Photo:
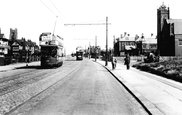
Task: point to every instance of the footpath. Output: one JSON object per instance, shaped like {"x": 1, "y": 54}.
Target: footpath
{"x": 17, "y": 65}
{"x": 158, "y": 96}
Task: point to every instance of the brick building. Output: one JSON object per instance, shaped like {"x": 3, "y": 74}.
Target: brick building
{"x": 169, "y": 33}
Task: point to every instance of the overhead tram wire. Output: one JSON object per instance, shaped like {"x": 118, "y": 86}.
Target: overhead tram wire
{"x": 48, "y": 7}
{"x": 87, "y": 24}
{"x": 56, "y": 7}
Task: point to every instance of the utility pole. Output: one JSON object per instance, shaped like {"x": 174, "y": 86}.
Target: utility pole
{"x": 106, "y": 34}
{"x": 89, "y": 50}
{"x": 95, "y": 48}
{"x": 113, "y": 45}
{"x": 106, "y": 41}
{"x": 55, "y": 25}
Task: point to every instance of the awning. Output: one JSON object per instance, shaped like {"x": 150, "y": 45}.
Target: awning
{"x": 129, "y": 47}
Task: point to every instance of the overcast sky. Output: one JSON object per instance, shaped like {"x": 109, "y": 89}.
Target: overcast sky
{"x": 32, "y": 17}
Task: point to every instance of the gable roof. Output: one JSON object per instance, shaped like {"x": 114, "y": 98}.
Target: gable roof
{"x": 20, "y": 42}
{"x": 177, "y": 25}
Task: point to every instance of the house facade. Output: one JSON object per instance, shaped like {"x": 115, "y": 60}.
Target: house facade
{"x": 134, "y": 45}
{"x": 17, "y": 50}
{"x": 4, "y": 48}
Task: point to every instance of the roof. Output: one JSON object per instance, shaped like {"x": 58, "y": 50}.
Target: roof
{"x": 4, "y": 39}
{"x": 20, "y": 42}
{"x": 127, "y": 38}
{"x": 150, "y": 40}
{"x": 177, "y": 25}
{"x": 130, "y": 47}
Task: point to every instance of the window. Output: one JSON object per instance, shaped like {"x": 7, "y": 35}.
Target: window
{"x": 180, "y": 42}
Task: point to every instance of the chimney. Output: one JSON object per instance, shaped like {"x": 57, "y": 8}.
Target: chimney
{"x": 152, "y": 34}
{"x": 125, "y": 34}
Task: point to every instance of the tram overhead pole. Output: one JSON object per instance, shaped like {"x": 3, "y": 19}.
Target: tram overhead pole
{"x": 88, "y": 24}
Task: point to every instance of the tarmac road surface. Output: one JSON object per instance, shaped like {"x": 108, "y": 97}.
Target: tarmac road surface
{"x": 91, "y": 90}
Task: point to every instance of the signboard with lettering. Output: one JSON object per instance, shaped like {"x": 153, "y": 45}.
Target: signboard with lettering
{"x": 46, "y": 38}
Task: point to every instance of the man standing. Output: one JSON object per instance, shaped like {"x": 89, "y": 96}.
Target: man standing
{"x": 113, "y": 61}
{"x": 127, "y": 61}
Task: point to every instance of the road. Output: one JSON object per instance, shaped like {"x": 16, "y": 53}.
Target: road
{"x": 88, "y": 88}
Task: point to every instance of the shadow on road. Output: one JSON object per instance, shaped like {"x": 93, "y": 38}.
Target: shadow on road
{"x": 36, "y": 67}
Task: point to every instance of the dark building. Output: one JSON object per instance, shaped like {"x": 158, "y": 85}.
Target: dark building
{"x": 169, "y": 33}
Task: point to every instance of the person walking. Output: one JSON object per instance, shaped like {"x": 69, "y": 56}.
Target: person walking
{"x": 127, "y": 61}
{"x": 113, "y": 62}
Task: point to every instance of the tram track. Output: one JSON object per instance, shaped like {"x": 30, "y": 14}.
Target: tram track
{"x": 17, "y": 81}
{"x": 14, "y": 93}
{"x": 24, "y": 107}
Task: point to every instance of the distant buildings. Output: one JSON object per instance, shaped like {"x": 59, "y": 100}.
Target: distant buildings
{"x": 17, "y": 50}
{"x": 167, "y": 43}
{"x": 169, "y": 33}
{"x": 134, "y": 45}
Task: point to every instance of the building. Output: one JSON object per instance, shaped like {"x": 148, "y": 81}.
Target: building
{"x": 148, "y": 44}
{"x": 124, "y": 44}
{"x": 138, "y": 45}
{"x": 4, "y": 49}
{"x": 23, "y": 50}
{"x": 169, "y": 33}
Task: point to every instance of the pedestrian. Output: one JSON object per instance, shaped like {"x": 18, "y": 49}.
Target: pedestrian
{"x": 113, "y": 62}
{"x": 127, "y": 61}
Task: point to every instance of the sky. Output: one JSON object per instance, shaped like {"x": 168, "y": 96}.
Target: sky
{"x": 33, "y": 17}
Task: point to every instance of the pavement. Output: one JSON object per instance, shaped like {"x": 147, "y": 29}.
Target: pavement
{"x": 17, "y": 65}
{"x": 158, "y": 95}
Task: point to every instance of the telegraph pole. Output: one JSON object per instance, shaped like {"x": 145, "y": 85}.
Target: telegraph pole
{"x": 89, "y": 50}
{"x": 106, "y": 41}
{"x": 106, "y": 34}
{"x": 55, "y": 25}
{"x": 95, "y": 48}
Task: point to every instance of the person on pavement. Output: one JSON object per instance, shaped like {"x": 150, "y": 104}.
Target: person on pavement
{"x": 113, "y": 62}
{"x": 127, "y": 61}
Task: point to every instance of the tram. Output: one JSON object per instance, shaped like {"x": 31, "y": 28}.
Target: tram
{"x": 79, "y": 53}
{"x": 52, "y": 50}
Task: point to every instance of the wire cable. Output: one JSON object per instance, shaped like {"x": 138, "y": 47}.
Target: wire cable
{"x": 47, "y": 7}
{"x": 56, "y": 7}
